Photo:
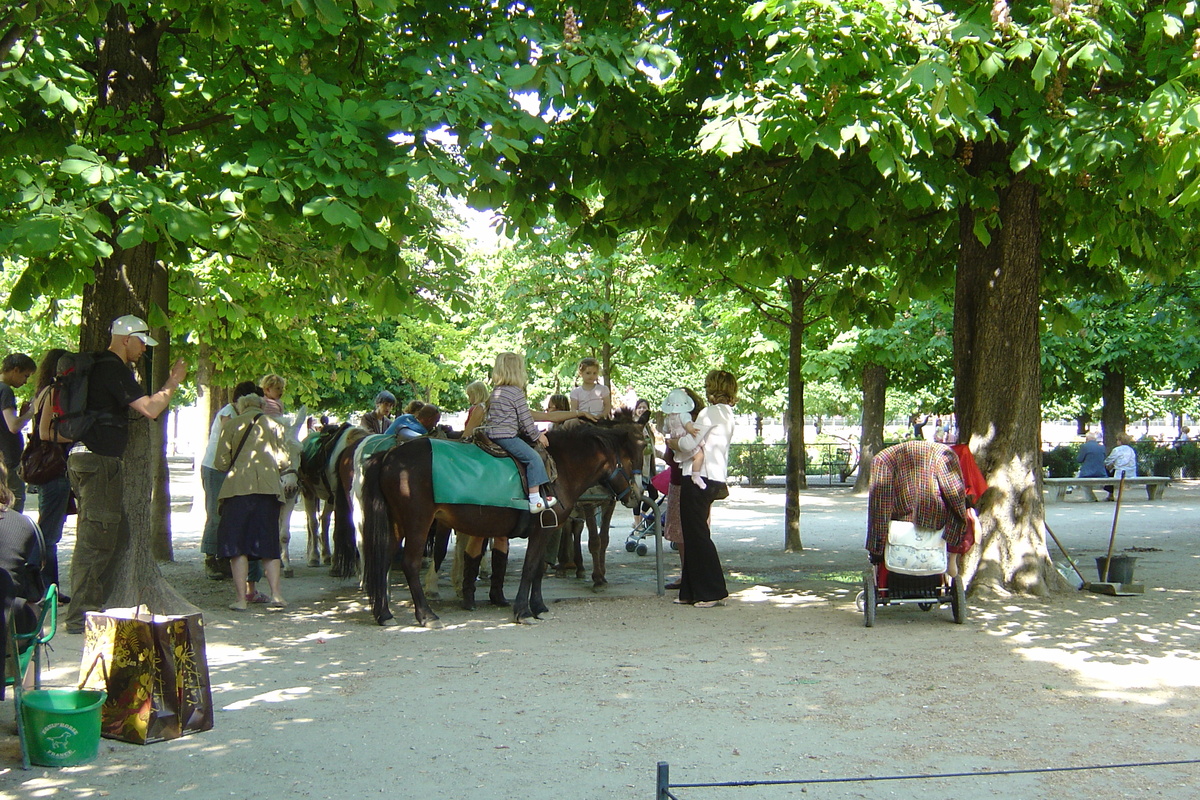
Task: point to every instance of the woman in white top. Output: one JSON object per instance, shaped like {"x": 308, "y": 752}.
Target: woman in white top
{"x": 1122, "y": 460}
{"x": 702, "y": 583}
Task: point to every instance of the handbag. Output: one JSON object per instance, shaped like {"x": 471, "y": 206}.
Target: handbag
{"x": 914, "y": 551}
{"x": 155, "y": 671}
{"x": 42, "y": 461}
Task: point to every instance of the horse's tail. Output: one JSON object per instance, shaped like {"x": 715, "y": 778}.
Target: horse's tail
{"x": 376, "y": 526}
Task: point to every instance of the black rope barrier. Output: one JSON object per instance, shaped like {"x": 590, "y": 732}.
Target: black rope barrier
{"x": 665, "y": 785}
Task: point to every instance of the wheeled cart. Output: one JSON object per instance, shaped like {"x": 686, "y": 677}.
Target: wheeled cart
{"x": 884, "y": 588}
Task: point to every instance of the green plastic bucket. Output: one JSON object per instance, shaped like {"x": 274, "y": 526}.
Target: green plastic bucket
{"x": 62, "y": 726}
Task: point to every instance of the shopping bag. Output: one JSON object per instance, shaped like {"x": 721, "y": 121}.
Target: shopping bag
{"x": 914, "y": 551}
{"x": 155, "y": 671}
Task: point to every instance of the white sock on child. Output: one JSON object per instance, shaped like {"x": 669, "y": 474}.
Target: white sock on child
{"x": 535, "y": 496}
{"x": 698, "y": 479}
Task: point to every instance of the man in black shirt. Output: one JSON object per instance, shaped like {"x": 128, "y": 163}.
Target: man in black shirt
{"x": 14, "y": 373}
{"x": 96, "y": 468}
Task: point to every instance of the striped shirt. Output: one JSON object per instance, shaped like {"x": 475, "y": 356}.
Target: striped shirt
{"x": 918, "y": 482}
{"x": 508, "y": 415}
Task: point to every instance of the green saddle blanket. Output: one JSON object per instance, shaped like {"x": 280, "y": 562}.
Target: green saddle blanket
{"x": 374, "y": 443}
{"x": 462, "y": 473}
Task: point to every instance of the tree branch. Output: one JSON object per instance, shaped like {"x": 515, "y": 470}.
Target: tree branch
{"x": 198, "y": 124}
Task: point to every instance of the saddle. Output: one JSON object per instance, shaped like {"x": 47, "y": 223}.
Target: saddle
{"x": 484, "y": 443}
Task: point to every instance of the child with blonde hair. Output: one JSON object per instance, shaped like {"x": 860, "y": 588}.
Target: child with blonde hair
{"x": 509, "y": 424}
{"x": 591, "y": 396}
{"x": 272, "y": 386}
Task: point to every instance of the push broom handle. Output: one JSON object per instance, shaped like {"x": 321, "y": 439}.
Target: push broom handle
{"x": 1112, "y": 537}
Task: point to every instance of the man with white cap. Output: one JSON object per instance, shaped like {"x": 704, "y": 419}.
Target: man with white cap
{"x": 95, "y": 468}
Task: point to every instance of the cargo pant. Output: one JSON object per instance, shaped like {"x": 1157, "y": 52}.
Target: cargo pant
{"x": 102, "y": 531}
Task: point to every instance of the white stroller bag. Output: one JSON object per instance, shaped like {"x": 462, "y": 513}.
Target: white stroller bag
{"x": 914, "y": 551}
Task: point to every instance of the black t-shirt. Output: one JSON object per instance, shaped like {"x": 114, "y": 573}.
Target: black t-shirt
{"x": 111, "y": 388}
{"x": 11, "y": 443}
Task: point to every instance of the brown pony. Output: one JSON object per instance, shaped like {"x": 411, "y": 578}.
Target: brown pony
{"x": 398, "y": 509}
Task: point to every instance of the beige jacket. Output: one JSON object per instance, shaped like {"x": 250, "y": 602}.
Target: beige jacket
{"x": 268, "y": 453}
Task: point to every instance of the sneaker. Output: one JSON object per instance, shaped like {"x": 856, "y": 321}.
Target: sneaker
{"x": 541, "y": 504}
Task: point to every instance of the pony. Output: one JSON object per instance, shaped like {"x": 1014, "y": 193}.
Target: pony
{"x": 399, "y": 507}
{"x": 325, "y": 479}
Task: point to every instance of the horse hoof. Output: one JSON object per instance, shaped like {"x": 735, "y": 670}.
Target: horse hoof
{"x": 289, "y": 573}
{"x": 434, "y": 624}
{"x": 312, "y": 562}
{"x": 600, "y": 587}
{"x": 390, "y": 622}
{"x": 581, "y": 574}
{"x": 525, "y": 620}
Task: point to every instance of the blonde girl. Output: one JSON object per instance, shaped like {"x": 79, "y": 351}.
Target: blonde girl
{"x": 509, "y": 424}
{"x": 272, "y": 386}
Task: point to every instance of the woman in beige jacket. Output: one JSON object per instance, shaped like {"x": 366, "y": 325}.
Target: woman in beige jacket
{"x": 260, "y": 459}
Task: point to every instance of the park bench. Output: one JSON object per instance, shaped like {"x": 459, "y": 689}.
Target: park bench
{"x": 1153, "y": 483}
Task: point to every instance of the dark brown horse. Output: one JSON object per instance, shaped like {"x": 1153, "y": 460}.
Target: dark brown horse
{"x": 323, "y": 482}
{"x": 398, "y": 508}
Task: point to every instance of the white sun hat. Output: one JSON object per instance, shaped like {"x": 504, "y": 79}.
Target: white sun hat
{"x": 677, "y": 402}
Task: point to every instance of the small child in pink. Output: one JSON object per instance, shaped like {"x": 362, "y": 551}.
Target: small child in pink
{"x": 678, "y": 407}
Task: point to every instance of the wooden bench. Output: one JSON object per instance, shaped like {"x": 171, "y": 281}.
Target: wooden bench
{"x": 1154, "y": 484}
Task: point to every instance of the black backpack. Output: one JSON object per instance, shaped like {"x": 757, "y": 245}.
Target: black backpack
{"x": 69, "y": 397}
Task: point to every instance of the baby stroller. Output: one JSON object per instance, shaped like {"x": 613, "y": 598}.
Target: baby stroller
{"x": 908, "y": 579}
{"x": 643, "y": 526}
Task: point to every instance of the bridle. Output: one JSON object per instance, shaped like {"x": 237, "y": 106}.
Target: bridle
{"x": 630, "y": 477}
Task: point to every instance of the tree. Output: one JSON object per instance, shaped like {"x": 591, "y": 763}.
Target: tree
{"x": 563, "y": 300}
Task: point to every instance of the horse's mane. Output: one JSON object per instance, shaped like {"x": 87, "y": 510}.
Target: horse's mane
{"x": 612, "y": 434}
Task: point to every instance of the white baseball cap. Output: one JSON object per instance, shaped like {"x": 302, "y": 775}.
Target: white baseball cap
{"x": 677, "y": 402}
{"x": 129, "y": 325}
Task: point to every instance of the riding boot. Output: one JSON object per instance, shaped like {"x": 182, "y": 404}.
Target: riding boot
{"x": 499, "y": 566}
{"x": 470, "y": 576}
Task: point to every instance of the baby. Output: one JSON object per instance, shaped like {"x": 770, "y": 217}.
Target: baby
{"x": 678, "y": 407}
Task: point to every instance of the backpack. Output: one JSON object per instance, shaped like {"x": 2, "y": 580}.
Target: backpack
{"x": 69, "y": 397}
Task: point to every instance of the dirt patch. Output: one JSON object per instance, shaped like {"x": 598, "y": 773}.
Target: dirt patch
{"x": 784, "y": 682}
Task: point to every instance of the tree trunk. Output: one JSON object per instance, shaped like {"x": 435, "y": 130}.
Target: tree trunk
{"x": 1113, "y": 419}
{"x": 874, "y": 389}
{"x": 127, "y": 81}
{"x": 997, "y": 381}
{"x": 794, "y": 420}
{"x": 160, "y": 520}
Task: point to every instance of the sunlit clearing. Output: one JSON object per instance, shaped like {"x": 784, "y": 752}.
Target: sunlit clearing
{"x": 220, "y": 655}
{"x": 768, "y": 594}
{"x": 277, "y": 696}
{"x": 1144, "y": 680}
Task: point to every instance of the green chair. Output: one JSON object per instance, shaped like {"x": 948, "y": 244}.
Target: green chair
{"x": 26, "y": 648}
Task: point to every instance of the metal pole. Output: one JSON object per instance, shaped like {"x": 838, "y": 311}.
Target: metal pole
{"x": 664, "y": 782}
{"x": 658, "y": 550}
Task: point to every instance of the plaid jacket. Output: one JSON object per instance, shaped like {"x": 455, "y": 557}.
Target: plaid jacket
{"x": 918, "y": 482}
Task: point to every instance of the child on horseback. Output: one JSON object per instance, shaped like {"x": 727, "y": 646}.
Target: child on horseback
{"x": 590, "y": 396}
{"x": 510, "y": 425}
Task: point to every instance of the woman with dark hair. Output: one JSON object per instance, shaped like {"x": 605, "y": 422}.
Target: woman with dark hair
{"x": 260, "y": 460}
{"x": 211, "y": 480}
{"x": 54, "y": 496}
{"x": 21, "y": 564}
{"x": 702, "y": 582}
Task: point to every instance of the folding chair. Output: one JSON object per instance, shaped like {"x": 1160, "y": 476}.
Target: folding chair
{"x": 26, "y": 648}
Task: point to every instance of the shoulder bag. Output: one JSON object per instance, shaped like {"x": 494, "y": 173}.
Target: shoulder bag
{"x": 41, "y": 461}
